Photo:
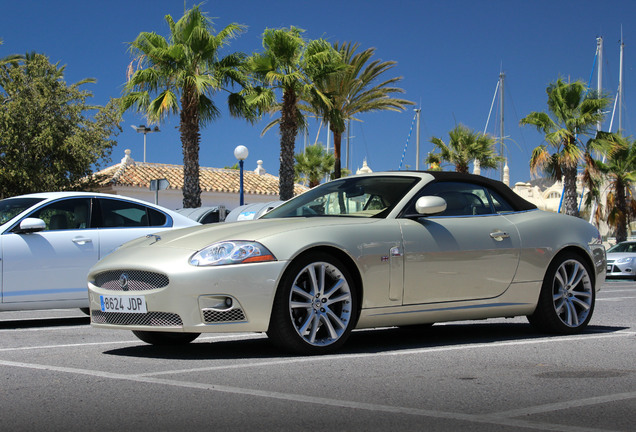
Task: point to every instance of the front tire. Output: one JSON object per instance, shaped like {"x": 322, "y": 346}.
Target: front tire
{"x": 316, "y": 306}
{"x": 567, "y": 298}
{"x": 165, "y": 338}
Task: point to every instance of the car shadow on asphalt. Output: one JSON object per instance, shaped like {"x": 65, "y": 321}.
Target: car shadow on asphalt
{"x": 44, "y": 322}
{"x": 360, "y": 342}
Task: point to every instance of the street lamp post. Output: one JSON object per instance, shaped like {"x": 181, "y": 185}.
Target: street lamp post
{"x": 145, "y": 130}
{"x": 240, "y": 152}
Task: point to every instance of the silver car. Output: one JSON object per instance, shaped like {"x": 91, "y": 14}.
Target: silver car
{"x": 49, "y": 241}
{"x": 621, "y": 261}
{"x": 384, "y": 249}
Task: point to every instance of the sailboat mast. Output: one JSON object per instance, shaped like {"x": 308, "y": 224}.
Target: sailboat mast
{"x": 620, "y": 89}
{"x": 417, "y": 139}
{"x": 501, "y": 123}
{"x": 599, "y": 77}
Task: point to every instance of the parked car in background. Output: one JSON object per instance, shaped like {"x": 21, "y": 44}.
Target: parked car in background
{"x": 49, "y": 241}
{"x": 383, "y": 249}
{"x": 621, "y": 261}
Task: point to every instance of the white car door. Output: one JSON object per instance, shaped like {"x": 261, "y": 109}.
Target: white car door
{"x": 120, "y": 221}
{"x": 50, "y": 264}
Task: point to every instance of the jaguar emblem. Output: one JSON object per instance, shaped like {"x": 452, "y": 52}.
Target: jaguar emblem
{"x": 123, "y": 281}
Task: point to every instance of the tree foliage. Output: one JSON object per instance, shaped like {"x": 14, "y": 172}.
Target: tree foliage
{"x": 619, "y": 170}
{"x": 50, "y": 138}
{"x": 180, "y": 75}
{"x": 464, "y": 145}
{"x": 572, "y": 112}
{"x": 359, "y": 88}
{"x": 291, "y": 65}
{"x": 313, "y": 164}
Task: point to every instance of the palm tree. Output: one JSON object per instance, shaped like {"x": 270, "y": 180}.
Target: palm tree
{"x": 465, "y": 145}
{"x": 571, "y": 112}
{"x": 291, "y": 65}
{"x": 313, "y": 164}
{"x": 620, "y": 171}
{"x": 181, "y": 75}
{"x": 355, "y": 91}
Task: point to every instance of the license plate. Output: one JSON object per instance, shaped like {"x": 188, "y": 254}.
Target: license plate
{"x": 123, "y": 304}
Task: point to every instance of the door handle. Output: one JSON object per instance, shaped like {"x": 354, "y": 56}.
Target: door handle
{"x": 82, "y": 240}
{"x": 499, "y": 235}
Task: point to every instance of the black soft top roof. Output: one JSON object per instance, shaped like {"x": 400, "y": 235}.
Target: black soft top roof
{"x": 518, "y": 203}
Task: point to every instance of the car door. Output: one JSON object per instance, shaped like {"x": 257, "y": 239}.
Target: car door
{"x": 120, "y": 221}
{"x": 51, "y": 264}
{"x": 468, "y": 252}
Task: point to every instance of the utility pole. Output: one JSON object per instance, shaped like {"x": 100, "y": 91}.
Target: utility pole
{"x": 348, "y": 138}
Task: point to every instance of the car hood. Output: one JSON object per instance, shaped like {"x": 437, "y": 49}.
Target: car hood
{"x": 199, "y": 237}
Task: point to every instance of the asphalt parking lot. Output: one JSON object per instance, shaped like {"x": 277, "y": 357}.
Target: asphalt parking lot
{"x": 58, "y": 373}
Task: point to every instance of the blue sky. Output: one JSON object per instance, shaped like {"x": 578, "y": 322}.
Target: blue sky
{"x": 449, "y": 53}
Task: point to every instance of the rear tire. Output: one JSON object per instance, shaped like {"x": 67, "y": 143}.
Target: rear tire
{"x": 165, "y": 338}
{"x": 566, "y": 302}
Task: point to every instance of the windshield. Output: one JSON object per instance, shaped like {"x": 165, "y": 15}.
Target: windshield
{"x": 11, "y": 207}
{"x": 623, "y": 247}
{"x": 353, "y": 196}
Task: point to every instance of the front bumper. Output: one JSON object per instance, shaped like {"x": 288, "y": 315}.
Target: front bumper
{"x": 232, "y": 298}
{"x": 620, "y": 270}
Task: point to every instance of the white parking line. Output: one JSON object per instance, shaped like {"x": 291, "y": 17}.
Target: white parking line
{"x": 501, "y": 419}
{"x": 504, "y": 418}
{"x": 613, "y": 299}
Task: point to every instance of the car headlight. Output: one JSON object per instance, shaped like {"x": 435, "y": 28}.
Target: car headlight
{"x": 231, "y": 252}
{"x": 623, "y": 260}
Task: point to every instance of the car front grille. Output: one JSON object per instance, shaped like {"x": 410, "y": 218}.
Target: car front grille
{"x": 220, "y": 316}
{"x": 130, "y": 280}
{"x": 155, "y": 319}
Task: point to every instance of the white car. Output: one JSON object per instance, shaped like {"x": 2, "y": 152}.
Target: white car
{"x": 49, "y": 241}
{"x": 621, "y": 261}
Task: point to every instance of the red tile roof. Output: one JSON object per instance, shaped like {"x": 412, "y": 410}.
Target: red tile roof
{"x": 139, "y": 174}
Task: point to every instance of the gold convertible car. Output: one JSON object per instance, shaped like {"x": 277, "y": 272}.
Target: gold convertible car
{"x": 383, "y": 249}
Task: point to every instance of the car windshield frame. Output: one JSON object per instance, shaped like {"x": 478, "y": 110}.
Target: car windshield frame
{"x": 12, "y": 207}
{"x": 356, "y": 196}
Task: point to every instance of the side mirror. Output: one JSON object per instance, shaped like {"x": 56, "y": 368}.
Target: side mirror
{"x": 430, "y": 205}
{"x": 31, "y": 225}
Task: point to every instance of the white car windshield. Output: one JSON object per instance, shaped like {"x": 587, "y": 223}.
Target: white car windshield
{"x": 623, "y": 247}
{"x": 350, "y": 197}
{"x": 11, "y": 207}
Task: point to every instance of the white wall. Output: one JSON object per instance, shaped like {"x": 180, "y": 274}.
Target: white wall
{"x": 173, "y": 198}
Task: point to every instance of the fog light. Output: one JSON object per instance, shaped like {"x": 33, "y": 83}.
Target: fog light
{"x": 228, "y": 302}
{"x": 628, "y": 270}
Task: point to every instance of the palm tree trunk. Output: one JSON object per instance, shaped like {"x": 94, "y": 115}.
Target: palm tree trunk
{"x": 288, "y": 131}
{"x": 337, "y": 140}
{"x": 569, "y": 191}
{"x": 621, "y": 203}
{"x": 190, "y": 137}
